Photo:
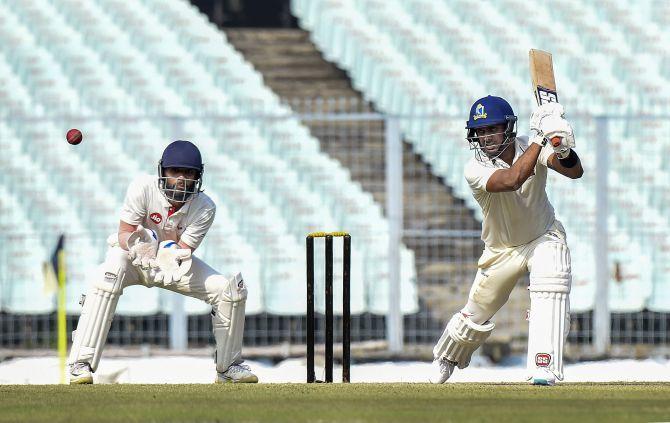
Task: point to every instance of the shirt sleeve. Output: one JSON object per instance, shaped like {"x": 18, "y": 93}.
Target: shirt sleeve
{"x": 545, "y": 153}
{"x": 478, "y": 175}
{"x": 196, "y": 231}
{"x": 134, "y": 207}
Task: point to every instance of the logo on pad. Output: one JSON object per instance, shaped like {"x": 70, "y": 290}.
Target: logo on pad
{"x": 156, "y": 218}
{"x": 542, "y": 359}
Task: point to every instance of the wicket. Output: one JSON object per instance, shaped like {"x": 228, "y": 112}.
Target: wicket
{"x": 346, "y": 314}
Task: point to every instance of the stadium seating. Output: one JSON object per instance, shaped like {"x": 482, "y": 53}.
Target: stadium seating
{"x": 417, "y": 56}
{"x": 115, "y": 69}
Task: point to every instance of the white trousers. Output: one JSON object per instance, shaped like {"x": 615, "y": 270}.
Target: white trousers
{"x": 226, "y": 296}
{"x": 545, "y": 258}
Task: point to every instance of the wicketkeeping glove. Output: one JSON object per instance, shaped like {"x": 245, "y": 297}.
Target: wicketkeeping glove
{"x": 142, "y": 247}
{"x": 171, "y": 263}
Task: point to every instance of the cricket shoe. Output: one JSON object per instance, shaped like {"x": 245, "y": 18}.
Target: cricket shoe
{"x": 80, "y": 374}
{"x": 543, "y": 377}
{"x": 236, "y": 373}
{"x": 444, "y": 369}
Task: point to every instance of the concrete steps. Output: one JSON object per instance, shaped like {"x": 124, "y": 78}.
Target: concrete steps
{"x": 293, "y": 67}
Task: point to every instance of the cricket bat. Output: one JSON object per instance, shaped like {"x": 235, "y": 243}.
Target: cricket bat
{"x": 544, "y": 83}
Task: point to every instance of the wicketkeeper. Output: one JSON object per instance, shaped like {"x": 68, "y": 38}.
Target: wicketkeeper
{"x": 163, "y": 220}
{"x": 508, "y": 176}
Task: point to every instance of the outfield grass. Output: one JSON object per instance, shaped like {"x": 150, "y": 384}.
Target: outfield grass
{"x": 343, "y": 403}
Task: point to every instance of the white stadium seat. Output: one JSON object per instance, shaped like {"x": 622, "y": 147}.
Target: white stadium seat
{"x": 112, "y": 57}
{"x": 422, "y": 55}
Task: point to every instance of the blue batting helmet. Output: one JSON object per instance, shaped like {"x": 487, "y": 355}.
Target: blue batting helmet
{"x": 488, "y": 111}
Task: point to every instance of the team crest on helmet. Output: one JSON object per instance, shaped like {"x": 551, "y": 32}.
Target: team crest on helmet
{"x": 542, "y": 359}
{"x": 156, "y": 218}
{"x": 480, "y": 113}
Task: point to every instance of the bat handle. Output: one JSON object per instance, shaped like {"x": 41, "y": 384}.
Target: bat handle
{"x": 556, "y": 141}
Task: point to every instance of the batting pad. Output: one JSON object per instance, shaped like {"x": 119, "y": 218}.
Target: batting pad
{"x": 460, "y": 339}
{"x": 549, "y": 324}
{"x": 98, "y": 311}
{"x": 228, "y": 323}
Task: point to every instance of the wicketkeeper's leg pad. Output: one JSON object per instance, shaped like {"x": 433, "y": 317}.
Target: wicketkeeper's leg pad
{"x": 460, "y": 339}
{"x": 98, "y": 309}
{"x": 228, "y": 321}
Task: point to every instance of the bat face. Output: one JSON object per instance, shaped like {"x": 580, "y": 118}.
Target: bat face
{"x": 542, "y": 75}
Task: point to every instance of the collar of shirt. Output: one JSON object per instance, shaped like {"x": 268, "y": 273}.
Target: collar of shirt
{"x": 168, "y": 206}
{"x": 183, "y": 210}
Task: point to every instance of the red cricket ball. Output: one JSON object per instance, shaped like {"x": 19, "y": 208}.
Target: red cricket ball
{"x": 74, "y": 136}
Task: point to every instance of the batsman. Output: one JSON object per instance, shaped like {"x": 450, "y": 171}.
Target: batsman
{"x": 521, "y": 236}
{"x": 164, "y": 218}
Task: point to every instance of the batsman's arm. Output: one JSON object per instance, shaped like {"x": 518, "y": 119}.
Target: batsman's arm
{"x": 511, "y": 179}
{"x": 571, "y": 166}
{"x": 125, "y": 229}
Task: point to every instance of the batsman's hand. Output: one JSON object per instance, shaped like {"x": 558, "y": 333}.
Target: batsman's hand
{"x": 545, "y": 110}
{"x": 548, "y": 122}
{"x": 171, "y": 263}
{"x": 142, "y": 247}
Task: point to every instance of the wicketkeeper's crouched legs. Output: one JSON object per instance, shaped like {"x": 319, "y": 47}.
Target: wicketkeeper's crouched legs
{"x": 99, "y": 305}
{"x": 228, "y": 297}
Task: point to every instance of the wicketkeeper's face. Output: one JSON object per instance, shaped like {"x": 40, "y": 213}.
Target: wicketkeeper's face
{"x": 490, "y": 138}
{"x": 181, "y": 178}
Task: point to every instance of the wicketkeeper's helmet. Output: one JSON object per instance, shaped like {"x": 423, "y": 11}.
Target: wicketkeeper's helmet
{"x": 180, "y": 154}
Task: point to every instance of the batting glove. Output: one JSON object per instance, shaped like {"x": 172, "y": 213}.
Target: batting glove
{"x": 543, "y": 111}
{"x": 548, "y": 122}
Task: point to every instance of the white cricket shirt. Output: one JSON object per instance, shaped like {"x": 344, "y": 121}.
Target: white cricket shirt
{"x": 516, "y": 217}
{"x": 146, "y": 205}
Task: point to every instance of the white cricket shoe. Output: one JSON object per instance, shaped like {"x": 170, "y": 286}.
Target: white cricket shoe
{"x": 236, "y": 373}
{"x": 80, "y": 374}
{"x": 443, "y": 368}
{"x": 543, "y": 377}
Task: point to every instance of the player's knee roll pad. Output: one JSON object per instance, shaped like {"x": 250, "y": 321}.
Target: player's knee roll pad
{"x": 228, "y": 322}
{"x": 233, "y": 289}
{"x": 460, "y": 339}
{"x": 551, "y": 268}
{"x": 98, "y": 309}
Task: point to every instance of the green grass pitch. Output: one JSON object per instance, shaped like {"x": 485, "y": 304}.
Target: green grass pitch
{"x": 336, "y": 403}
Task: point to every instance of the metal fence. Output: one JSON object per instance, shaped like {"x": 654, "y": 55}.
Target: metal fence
{"x": 409, "y": 178}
